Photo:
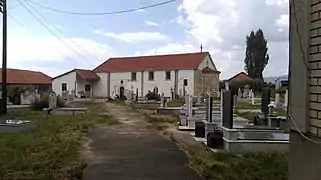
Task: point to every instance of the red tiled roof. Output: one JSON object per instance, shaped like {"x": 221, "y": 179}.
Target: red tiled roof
{"x": 240, "y": 76}
{"x": 83, "y": 73}
{"x": 18, "y": 76}
{"x": 87, "y": 74}
{"x": 141, "y": 63}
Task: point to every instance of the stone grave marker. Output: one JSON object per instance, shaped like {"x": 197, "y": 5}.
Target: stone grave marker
{"x": 162, "y": 100}
{"x": 265, "y": 101}
{"x": 246, "y": 91}
{"x": 136, "y": 97}
{"x": 239, "y": 93}
{"x": 252, "y": 97}
{"x": 228, "y": 109}
{"x": 52, "y": 101}
{"x": 190, "y": 105}
{"x": 286, "y": 96}
{"x": 209, "y": 109}
{"x": 199, "y": 100}
{"x": 227, "y": 86}
{"x": 277, "y": 100}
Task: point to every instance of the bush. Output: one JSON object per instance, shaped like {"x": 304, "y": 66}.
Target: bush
{"x": 152, "y": 96}
{"x": 43, "y": 102}
{"x": 14, "y": 92}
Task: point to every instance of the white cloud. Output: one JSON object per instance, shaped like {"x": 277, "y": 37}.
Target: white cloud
{"x": 222, "y": 25}
{"x": 133, "y": 37}
{"x": 47, "y": 53}
{"x": 151, "y": 23}
{"x": 170, "y": 48}
{"x": 283, "y": 21}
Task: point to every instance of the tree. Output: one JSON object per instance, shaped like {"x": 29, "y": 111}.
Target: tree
{"x": 256, "y": 54}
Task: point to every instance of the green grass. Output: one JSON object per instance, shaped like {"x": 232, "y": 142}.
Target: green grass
{"x": 249, "y": 166}
{"x": 247, "y": 115}
{"x": 246, "y": 105}
{"x": 51, "y": 151}
{"x": 175, "y": 103}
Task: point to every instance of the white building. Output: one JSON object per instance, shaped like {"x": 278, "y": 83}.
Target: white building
{"x": 194, "y": 72}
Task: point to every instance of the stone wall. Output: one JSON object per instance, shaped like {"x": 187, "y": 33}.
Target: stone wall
{"x": 315, "y": 67}
{"x": 206, "y": 80}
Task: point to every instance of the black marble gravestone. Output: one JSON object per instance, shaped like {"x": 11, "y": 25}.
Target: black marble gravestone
{"x": 265, "y": 101}
{"x": 228, "y": 109}
{"x": 210, "y": 113}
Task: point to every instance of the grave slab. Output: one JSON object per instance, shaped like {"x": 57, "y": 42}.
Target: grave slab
{"x": 17, "y": 126}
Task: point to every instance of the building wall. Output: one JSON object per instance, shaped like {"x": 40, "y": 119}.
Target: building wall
{"x": 70, "y": 79}
{"x": 206, "y": 82}
{"x": 207, "y": 62}
{"x": 142, "y": 80}
{"x": 305, "y": 101}
{"x": 100, "y": 88}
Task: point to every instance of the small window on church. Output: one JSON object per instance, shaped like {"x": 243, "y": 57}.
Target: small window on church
{"x": 151, "y": 76}
{"x": 134, "y": 76}
{"x": 167, "y": 75}
{"x": 185, "y": 82}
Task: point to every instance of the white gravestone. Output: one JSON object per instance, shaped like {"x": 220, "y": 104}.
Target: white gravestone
{"x": 162, "y": 100}
{"x": 52, "y": 101}
{"x": 190, "y": 105}
{"x": 252, "y": 97}
{"x": 227, "y": 86}
{"x": 277, "y": 100}
{"x": 286, "y": 98}
{"x": 239, "y": 93}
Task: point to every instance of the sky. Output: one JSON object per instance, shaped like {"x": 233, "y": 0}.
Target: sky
{"x": 77, "y": 41}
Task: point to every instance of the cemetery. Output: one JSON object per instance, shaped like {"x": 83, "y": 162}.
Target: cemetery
{"x": 45, "y": 147}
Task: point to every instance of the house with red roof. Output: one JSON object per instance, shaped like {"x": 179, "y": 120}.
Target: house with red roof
{"x": 79, "y": 80}
{"x": 192, "y": 73}
{"x": 241, "y": 76}
{"x": 39, "y": 80}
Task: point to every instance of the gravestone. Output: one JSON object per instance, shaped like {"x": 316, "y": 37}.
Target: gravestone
{"x": 162, "y": 100}
{"x": 210, "y": 109}
{"x": 52, "y": 101}
{"x": 266, "y": 93}
{"x": 222, "y": 91}
{"x": 136, "y": 97}
{"x": 228, "y": 109}
{"x": 207, "y": 106}
{"x": 199, "y": 100}
{"x": 64, "y": 95}
{"x": 277, "y": 100}
{"x": 172, "y": 93}
{"x": 239, "y": 93}
{"x": 246, "y": 92}
{"x": 227, "y": 86}
{"x": 286, "y": 96}
{"x": 166, "y": 101}
{"x": 252, "y": 97}
{"x": 155, "y": 90}
{"x": 190, "y": 106}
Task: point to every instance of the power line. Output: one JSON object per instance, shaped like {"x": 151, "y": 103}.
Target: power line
{"x": 44, "y": 25}
{"x": 22, "y": 25}
{"x": 17, "y": 5}
{"x": 61, "y": 32}
{"x": 101, "y": 13}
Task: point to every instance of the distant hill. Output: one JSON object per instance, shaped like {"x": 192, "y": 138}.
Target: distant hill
{"x": 272, "y": 79}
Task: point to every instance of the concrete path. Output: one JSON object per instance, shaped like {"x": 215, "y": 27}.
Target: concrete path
{"x": 132, "y": 151}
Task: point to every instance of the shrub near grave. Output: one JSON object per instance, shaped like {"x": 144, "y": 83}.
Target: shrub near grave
{"x": 43, "y": 102}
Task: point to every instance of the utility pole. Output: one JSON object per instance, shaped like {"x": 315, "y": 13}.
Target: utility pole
{"x": 4, "y": 56}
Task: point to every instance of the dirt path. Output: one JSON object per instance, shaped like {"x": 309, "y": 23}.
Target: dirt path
{"x": 133, "y": 151}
